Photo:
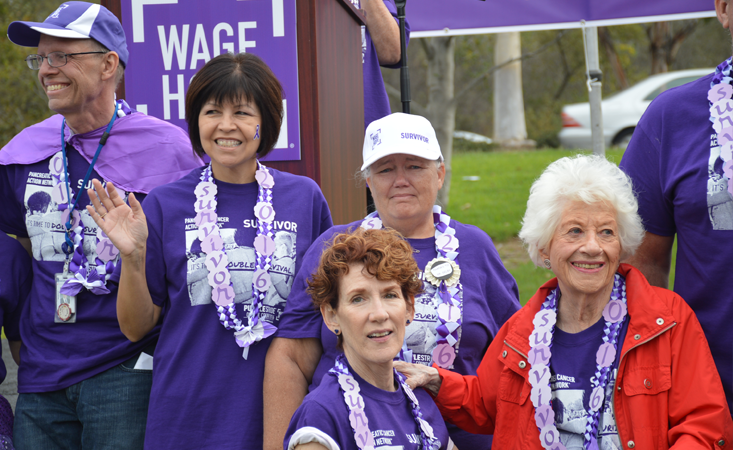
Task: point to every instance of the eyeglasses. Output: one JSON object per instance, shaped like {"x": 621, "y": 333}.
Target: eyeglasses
{"x": 55, "y": 59}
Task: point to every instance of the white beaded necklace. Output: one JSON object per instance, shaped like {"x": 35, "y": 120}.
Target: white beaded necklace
{"x": 217, "y": 260}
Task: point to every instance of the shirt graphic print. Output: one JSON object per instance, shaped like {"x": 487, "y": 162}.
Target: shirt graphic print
{"x": 43, "y": 220}
{"x": 421, "y": 335}
{"x": 571, "y": 413}
{"x": 241, "y": 266}
{"x": 720, "y": 204}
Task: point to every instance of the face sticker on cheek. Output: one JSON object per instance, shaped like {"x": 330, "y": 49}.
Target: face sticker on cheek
{"x": 257, "y": 132}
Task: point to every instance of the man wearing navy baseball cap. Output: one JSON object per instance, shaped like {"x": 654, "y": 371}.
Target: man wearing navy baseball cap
{"x": 82, "y": 384}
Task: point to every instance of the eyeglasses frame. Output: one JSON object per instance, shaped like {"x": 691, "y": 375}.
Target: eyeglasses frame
{"x": 36, "y": 57}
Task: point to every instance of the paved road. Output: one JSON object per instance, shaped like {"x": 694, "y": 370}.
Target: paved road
{"x": 9, "y": 388}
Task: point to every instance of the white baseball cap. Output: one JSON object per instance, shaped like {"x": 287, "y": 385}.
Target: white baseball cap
{"x": 400, "y": 133}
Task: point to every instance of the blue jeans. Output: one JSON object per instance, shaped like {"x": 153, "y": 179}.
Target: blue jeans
{"x": 106, "y": 411}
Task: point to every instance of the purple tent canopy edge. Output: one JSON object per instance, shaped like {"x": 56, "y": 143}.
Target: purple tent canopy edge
{"x": 460, "y": 17}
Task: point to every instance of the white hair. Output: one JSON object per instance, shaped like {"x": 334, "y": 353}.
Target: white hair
{"x": 586, "y": 178}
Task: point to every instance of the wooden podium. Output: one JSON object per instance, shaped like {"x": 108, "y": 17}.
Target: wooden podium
{"x": 331, "y": 102}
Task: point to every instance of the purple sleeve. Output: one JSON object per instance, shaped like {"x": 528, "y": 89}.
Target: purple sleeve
{"x": 155, "y": 269}
{"x": 12, "y": 220}
{"x": 642, "y": 163}
{"x": 300, "y": 318}
{"x": 15, "y": 284}
{"x": 312, "y": 414}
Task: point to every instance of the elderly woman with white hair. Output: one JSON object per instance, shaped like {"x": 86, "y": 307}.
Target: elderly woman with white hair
{"x": 598, "y": 358}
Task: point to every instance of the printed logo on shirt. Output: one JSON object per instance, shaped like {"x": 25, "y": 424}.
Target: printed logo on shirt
{"x": 720, "y": 203}
{"x": 241, "y": 266}
{"x": 383, "y": 439}
{"x": 568, "y": 402}
{"x": 421, "y": 335}
{"x": 44, "y": 223}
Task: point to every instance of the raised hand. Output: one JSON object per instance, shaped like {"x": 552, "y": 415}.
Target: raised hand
{"x": 124, "y": 225}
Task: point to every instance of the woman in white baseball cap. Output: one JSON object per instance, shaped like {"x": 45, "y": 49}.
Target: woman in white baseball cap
{"x": 467, "y": 293}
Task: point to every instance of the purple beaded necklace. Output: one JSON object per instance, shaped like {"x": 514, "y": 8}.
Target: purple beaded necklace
{"x": 217, "y": 260}
{"x": 721, "y": 116}
{"x": 540, "y": 343}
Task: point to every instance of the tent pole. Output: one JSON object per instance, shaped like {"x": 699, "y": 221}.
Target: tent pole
{"x": 404, "y": 70}
{"x": 595, "y": 77}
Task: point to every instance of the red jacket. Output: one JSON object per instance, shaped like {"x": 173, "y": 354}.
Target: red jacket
{"x": 668, "y": 393}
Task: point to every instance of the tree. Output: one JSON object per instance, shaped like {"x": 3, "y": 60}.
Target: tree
{"x": 23, "y": 101}
{"x": 510, "y": 128}
{"x": 441, "y": 108}
{"x": 442, "y": 100}
{"x": 665, "y": 40}
{"x": 606, "y": 41}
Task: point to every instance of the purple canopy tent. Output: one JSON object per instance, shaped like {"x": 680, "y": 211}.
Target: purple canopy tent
{"x": 430, "y": 18}
{"x": 434, "y": 18}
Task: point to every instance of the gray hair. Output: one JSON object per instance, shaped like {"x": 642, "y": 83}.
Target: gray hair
{"x": 99, "y": 47}
{"x": 362, "y": 175}
{"x": 586, "y": 178}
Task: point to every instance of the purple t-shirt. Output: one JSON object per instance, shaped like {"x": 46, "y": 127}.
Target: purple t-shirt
{"x": 15, "y": 284}
{"x": 205, "y": 395}
{"x": 376, "y": 101}
{"x": 389, "y": 415}
{"x": 674, "y": 162}
{"x": 489, "y": 299}
{"x": 58, "y": 355}
{"x": 573, "y": 364}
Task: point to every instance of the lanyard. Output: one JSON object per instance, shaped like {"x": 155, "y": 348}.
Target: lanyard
{"x": 102, "y": 141}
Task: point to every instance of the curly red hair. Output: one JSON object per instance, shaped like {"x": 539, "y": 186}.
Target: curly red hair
{"x": 385, "y": 255}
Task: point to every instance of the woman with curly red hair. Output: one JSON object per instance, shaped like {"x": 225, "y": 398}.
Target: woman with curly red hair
{"x": 365, "y": 288}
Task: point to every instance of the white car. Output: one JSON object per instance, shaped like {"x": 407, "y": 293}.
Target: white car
{"x": 621, "y": 111}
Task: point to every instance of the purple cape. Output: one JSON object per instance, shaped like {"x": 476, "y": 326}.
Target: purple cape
{"x": 142, "y": 152}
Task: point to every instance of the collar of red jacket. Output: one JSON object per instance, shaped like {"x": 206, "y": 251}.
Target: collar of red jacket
{"x": 648, "y": 314}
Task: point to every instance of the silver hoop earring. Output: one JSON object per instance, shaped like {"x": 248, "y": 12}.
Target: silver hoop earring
{"x": 547, "y": 263}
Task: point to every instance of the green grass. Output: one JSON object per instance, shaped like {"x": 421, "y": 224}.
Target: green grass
{"x": 496, "y": 202}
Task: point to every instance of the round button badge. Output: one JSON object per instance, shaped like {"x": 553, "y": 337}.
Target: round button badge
{"x": 64, "y": 312}
{"x": 441, "y": 270}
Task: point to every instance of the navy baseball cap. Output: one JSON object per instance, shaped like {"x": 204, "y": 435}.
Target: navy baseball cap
{"x": 74, "y": 20}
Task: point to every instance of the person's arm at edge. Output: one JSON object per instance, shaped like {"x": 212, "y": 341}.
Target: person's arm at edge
{"x": 289, "y": 368}
{"x": 654, "y": 259}
{"x": 470, "y": 401}
{"x": 136, "y": 312}
{"x": 462, "y": 399}
{"x": 384, "y": 31}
